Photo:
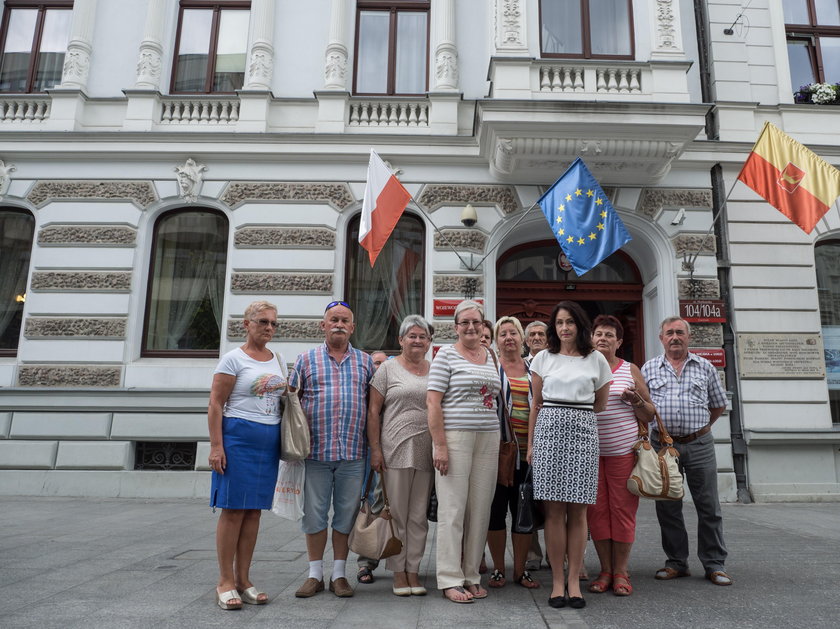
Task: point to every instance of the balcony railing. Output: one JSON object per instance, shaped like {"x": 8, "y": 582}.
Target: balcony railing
{"x": 601, "y": 80}
{"x": 24, "y": 109}
{"x": 199, "y": 111}
{"x": 388, "y": 114}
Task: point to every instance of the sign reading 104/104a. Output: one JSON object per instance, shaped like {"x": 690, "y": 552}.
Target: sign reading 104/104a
{"x": 703, "y": 310}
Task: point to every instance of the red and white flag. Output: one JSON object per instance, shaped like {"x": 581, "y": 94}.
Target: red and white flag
{"x": 385, "y": 200}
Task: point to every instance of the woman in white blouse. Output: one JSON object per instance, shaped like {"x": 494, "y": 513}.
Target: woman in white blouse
{"x": 570, "y": 383}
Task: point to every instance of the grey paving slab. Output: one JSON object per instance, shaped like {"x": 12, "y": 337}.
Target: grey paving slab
{"x": 97, "y": 564}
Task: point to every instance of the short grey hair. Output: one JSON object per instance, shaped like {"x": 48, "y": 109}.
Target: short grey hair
{"x": 469, "y": 304}
{"x": 670, "y": 320}
{"x": 414, "y": 320}
{"x": 258, "y": 306}
{"x": 535, "y": 324}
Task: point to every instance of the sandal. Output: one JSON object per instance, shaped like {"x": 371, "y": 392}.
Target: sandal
{"x": 527, "y": 582}
{"x": 253, "y": 596}
{"x": 602, "y": 583}
{"x": 497, "y": 580}
{"x": 458, "y": 590}
{"x": 223, "y": 599}
{"x": 365, "y": 576}
{"x": 477, "y": 591}
{"x": 622, "y": 589}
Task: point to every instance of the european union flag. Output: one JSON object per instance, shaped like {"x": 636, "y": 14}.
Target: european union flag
{"x": 582, "y": 219}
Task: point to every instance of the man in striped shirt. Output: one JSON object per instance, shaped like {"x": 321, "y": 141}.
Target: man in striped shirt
{"x": 333, "y": 383}
{"x": 686, "y": 390}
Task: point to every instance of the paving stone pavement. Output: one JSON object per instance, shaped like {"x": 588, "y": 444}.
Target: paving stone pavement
{"x": 103, "y": 563}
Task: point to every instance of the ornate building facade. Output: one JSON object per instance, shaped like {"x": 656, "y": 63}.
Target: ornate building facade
{"x": 163, "y": 163}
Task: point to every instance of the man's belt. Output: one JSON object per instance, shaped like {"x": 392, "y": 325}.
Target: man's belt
{"x": 693, "y": 436}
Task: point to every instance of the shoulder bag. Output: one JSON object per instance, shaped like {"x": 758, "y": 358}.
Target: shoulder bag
{"x": 372, "y": 534}
{"x": 508, "y": 447}
{"x": 294, "y": 429}
{"x": 656, "y": 475}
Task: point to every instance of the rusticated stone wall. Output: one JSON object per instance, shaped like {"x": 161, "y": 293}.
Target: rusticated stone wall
{"x": 692, "y": 243}
{"x": 653, "y": 200}
{"x": 698, "y": 289}
{"x": 140, "y": 192}
{"x": 435, "y": 195}
{"x": 281, "y": 283}
{"x": 75, "y": 327}
{"x": 72, "y": 281}
{"x": 289, "y": 330}
{"x": 68, "y": 376}
{"x": 87, "y": 235}
{"x": 448, "y": 284}
{"x": 284, "y": 238}
{"x": 461, "y": 239}
{"x": 337, "y": 194}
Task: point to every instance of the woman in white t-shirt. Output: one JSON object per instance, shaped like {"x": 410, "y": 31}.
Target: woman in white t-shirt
{"x": 244, "y": 422}
{"x": 570, "y": 383}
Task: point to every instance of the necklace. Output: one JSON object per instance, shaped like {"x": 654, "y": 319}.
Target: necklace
{"x": 473, "y": 355}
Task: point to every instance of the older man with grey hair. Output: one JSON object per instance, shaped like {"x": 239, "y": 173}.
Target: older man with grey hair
{"x": 536, "y": 338}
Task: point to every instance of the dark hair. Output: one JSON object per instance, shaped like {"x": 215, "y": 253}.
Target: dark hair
{"x": 486, "y": 324}
{"x": 584, "y": 328}
{"x": 608, "y": 321}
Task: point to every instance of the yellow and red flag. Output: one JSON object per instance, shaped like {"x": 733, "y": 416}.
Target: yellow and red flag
{"x": 792, "y": 178}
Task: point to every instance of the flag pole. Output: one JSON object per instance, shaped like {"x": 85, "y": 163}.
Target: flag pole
{"x": 715, "y": 218}
{"x": 452, "y": 247}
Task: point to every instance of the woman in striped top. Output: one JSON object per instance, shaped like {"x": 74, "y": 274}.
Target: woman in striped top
{"x": 612, "y": 519}
{"x": 461, "y": 401}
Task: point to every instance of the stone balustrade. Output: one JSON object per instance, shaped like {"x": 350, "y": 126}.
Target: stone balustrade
{"x": 388, "y": 114}
{"x": 203, "y": 111}
{"x": 26, "y": 108}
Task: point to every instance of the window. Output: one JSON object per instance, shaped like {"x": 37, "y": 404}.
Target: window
{"x": 186, "y": 284}
{"x": 382, "y": 296}
{"x": 34, "y": 40}
{"x": 827, "y": 262}
{"x": 589, "y": 29}
{"x": 212, "y": 47}
{"x": 392, "y": 47}
{"x": 813, "y": 41}
{"x": 16, "y": 230}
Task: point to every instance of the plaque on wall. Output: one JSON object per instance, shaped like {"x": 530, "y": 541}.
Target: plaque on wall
{"x": 781, "y": 356}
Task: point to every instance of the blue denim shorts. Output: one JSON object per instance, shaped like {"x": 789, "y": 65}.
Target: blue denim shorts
{"x": 336, "y": 483}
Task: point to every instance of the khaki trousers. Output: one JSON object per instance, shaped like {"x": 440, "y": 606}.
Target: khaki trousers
{"x": 408, "y": 493}
{"x": 464, "y": 498}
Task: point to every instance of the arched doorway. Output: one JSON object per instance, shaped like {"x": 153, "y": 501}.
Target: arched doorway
{"x": 530, "y": 282}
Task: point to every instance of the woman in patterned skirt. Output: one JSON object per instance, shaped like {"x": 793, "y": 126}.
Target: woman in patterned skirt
{"x": 570, "y": 383}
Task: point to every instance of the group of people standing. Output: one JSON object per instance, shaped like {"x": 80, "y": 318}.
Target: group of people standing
{"x": 572, "y": 408}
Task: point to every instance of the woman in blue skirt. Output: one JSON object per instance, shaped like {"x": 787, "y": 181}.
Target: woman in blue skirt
{"x": 244, "y": 421}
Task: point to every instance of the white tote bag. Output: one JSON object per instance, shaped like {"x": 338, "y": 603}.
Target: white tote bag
{"x": 288, "y": 493}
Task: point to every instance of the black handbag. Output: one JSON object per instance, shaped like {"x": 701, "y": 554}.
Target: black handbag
{"x": 529, "y": 516}
{"x": 431, "y": 510}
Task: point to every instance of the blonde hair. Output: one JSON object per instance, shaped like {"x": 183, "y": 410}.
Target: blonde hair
{"x": 516, "y": 323}
{"x": 468, "y": 304}
{"x": 258, "y": 306}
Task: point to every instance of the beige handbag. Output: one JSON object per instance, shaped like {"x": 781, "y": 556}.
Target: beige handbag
{"x": 656, "y": 475}
{"x": 373, "y": 535}
{"x": 294, "y": 429}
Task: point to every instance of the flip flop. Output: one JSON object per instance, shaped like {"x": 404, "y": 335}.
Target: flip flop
{"x": 497, "y": 579}
{"x": 458, "y": 589}
{"x": 525, "y": 580}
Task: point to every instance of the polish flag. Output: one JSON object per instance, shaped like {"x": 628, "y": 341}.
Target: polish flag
{"x": 385, "y": 200}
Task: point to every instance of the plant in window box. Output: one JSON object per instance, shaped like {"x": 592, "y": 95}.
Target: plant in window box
{"x": 819, "y": 94}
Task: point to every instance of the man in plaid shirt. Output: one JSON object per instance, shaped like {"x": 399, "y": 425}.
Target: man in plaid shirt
{"x": 687, "y": 392}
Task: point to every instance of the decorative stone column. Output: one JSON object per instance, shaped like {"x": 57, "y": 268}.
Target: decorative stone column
{"x": 261, "y": 56}
{"x": 77, "y": 58}
{"x": 667, "y": 31}
{"x": 332, "y": 100}
{"x": 150, "y": 59}
{"x": 335, "y": 58}
{"x": 445, "y": 60}
{"x": 511, "y": 66}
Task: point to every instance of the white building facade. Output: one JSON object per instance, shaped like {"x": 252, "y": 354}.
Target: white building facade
{"x": 164, "y": 163}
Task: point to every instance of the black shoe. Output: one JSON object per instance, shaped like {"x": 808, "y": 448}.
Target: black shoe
{"x": 577, "y": 602}
{"x": 557, "y": 601}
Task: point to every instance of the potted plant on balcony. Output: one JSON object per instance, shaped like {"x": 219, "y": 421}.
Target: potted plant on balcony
{"x": 819, "y": 94}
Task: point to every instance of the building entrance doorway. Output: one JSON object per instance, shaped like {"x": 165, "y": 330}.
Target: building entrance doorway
{"x": 530, "y": 282}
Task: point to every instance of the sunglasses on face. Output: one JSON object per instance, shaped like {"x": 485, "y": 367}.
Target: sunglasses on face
{"x": 266, "y": 322}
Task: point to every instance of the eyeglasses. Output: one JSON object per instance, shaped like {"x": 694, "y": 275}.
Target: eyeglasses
{"x": 266, "y": 322}
{"x": 467, "y": 324}
{"x": 333, "y": 304}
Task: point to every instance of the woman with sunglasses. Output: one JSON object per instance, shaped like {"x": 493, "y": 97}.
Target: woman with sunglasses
{"x": 463, "y": 386}
{"x": 244, "y": 421}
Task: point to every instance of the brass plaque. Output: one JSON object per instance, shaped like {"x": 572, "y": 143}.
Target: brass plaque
{"x": 781, "y": 356}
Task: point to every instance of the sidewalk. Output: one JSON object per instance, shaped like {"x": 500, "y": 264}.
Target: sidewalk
{"x": 94, "y": 563}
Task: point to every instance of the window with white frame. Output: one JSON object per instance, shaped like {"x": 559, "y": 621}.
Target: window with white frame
{"x": 34, "y": 41}
{"x": 17, "y": 228}
{"x": 211, "y": 47}
{"x": 588, "y": 29}
{"x": 827, "y": 263}
{"x": 186, "y": 284}
{"x": 391, "y": 47}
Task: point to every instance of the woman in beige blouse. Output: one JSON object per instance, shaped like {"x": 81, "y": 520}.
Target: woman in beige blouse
{"x": 401, "y": 446}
